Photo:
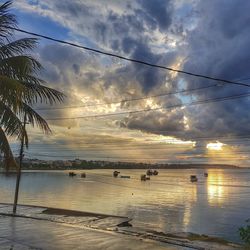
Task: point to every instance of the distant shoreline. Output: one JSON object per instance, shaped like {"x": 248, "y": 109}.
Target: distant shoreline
{"x": 137, "y": 166}
{"x": 88, "y": 165}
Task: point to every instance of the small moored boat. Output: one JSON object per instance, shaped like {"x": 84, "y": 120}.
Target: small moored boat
{"x": 83, "y": 175}
{"x": 71, "y": 174}
{"x": 155, "y": 172}
{"x": 143, "y": 177}
{"x": 116, "y": 173}
{"x": 149, "y": 172}
{"x": 125, "y": 176}
{"x": 193, "y": 178}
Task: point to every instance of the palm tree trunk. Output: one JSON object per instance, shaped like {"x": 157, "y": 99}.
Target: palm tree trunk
{"x": 19, "y": 169}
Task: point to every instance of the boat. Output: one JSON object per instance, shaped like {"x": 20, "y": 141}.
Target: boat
{"x": 71, "y": 174}
{"x": 83, "y": 175}
{"x": 145, "y": 177}
{"x": 152, "y": 172}
{"x": 205, "y": 174}
{"x": 155, "y": 172}
{"x": 149, "y": 172}
{"x": 116, "y": 173}
{"x": 193, "y": 178}
{"x": 125, "y": 176}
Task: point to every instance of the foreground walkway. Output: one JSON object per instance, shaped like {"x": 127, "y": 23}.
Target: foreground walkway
{"x": 24, "y": 233}
{"x": 49, "y": 228}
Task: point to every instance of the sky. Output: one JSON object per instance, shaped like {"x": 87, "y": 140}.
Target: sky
{"x": 203, "y": 37}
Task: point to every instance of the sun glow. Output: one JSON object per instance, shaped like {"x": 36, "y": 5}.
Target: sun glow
{"x": 215, "y": 145}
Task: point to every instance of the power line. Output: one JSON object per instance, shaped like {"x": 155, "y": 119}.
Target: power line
{"x": 158, "y": 145}
{"x": 211, "y": 100}
{"x": 129, "y": 59}
{"x": 183, "y": 152}
{"x": 169, "y": 150}
{"x": 131, "y": 157}
{"x": 239, "y": 153}
{"x": 235, "y": 139}
{"x": 167, "y": 145}
{"x": 138, "y": 98}
{"x": 178, "y": 149}
{"x": 118, "y": 148}
{"x": 129, "y": 100}
{"x": 170, "y": 140}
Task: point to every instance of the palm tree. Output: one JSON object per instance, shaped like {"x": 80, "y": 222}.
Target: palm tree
{"x": 20, "y": 88}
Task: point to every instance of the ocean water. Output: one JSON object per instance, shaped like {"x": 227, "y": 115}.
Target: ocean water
{"x": 217, "y": 205}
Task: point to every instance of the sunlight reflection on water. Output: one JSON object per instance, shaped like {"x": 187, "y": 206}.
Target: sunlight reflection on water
{"x": 216, "y": 192}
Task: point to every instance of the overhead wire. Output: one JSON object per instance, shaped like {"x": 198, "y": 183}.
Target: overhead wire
{"x": 135, "y": 99}
{"x": 240, "y": 140}
{"x": 199, "y": 102}
{"x": 116, "y": 157}
{"x": 151, "y": 65}
{"x": 240, "y": 154}
{"x": 127, "y": 100}
{"x": 127, "y": 58}
{"x": 104, "y": 146}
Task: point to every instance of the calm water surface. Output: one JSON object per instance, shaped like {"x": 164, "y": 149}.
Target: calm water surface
{"x": 217, "y": 205}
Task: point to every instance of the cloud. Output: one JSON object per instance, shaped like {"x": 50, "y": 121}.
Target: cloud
{"x": 204, "y": 37}
{"x": 157, "y": 13}
{"x": 167, "y": 123}
{"x": 218, "y": 47}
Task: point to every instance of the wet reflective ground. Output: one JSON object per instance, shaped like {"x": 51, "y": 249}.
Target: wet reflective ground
{"x": 29, "y": 234}
{"x": 217, "y": 205}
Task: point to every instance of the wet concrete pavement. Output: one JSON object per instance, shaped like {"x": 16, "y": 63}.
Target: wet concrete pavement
{"x": 35, "y": 230}
{"x": 50, "y": 228}
{"x": 25, "y": 233}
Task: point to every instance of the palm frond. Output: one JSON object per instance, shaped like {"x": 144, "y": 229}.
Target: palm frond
{"x": 36, "y": 92}
{"x": 18, "y": 66}
{"x": 6, "y": 150}
{"x": 30, "y": 91}
{"x": 7, "y": 20}
{"x": 35, "y": 119}
{"x": 11, "y": 90}
{"x": 10, "y": 122}
{"x": 17, "y": 47}
{"x": 13, "y": 126}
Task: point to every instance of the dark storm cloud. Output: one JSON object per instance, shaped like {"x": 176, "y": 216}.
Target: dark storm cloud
{"x": 157, "y": 13}
{"x": 63, "y": 66}
{"x": 127, "y": 32}
{"x": 133, "y": 41}
{"x": 157, "y": 122}
{"x": 211, "y": 49}
{"x": 206, "y": 37}
{"x": 70, "y": 69}
{"x": 218, "y": 46}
